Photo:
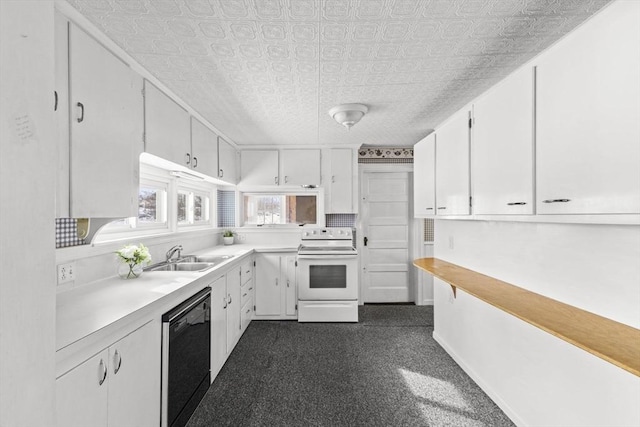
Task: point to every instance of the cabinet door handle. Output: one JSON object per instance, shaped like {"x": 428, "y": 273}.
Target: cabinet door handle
{"x": 195, "y": 162}
{"x": 103, "y": 374}
{"x": 516, "y": 203}
{"x": 224, "y": 300}
{"x": 250, "y": 289}
{"x": 81, "y": 106}
{"x": 276, "y": 282}
{"x": 286, "y": 179}
{"x": 275, "y": 180}
{"x": 244, "y": 295}
{"x": 55, "y": 104}
{"x": 118, "y": 358}
{"x": 333, "y": 179}
{"x": 429, "y": 209}
{"x": 229, "y": 298}
{"x": 556, "y": 201}
{"x": 187, "y": 158}
{"x": 221, "y": 174}
{"x": 441, "y": 207}
{"x": 287, "y": 283}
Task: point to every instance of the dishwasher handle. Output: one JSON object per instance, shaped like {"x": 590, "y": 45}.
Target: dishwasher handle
{"x": 186, "y": 306}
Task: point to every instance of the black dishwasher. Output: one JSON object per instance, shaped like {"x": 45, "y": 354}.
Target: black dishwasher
{"x": 186, "y": 358}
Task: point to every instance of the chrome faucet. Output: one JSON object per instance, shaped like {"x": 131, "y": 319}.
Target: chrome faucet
{"x": 172, "y": 251}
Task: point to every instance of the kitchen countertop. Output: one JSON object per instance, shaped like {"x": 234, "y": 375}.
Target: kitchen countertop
{"x": 107, "y": 303}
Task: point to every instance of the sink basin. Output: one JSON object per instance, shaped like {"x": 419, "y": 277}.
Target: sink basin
{"x": 214, "y": 259}
{"x": 181, "y": 266}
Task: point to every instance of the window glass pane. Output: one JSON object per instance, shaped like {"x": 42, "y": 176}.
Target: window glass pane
{"x": 182, "y": 207}
{"x": 301, "y": 209}
{"x": 148, "y": 205}
{"x": 279, "y": 209}
{"x": 200, "y": 208}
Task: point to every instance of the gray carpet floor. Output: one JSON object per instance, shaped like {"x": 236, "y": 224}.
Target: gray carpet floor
{"x": 385, "y": 370}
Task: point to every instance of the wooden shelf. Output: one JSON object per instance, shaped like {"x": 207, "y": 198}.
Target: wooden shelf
{"x": 609, "y": 340}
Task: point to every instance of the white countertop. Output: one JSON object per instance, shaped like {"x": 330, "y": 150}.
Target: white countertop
{"x": 96, "y": 306}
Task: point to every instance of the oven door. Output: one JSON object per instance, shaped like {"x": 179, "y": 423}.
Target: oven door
{"x": 327, "y": 277}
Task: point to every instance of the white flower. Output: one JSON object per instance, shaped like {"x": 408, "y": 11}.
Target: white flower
{"x": 132, "y": 254}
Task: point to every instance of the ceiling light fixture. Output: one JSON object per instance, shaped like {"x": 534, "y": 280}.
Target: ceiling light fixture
{"x": 348, "y": 114}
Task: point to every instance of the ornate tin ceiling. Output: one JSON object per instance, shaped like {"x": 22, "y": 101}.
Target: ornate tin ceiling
{"x": 268, "y": 71}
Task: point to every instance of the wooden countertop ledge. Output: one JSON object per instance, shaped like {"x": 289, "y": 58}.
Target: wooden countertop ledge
{"x": 612, "y": 341}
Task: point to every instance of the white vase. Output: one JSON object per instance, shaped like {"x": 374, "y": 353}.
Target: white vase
{"x": 228, "y": 240}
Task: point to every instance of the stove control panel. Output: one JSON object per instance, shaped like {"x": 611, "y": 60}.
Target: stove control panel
{"x": 342, "y": 233}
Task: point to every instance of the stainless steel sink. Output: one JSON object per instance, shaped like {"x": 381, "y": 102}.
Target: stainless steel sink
{"x": 181, "y": 266}
{"x": 214, "y": 259}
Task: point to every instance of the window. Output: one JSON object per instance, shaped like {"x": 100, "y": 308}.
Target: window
{"x": 165, "y": 204}
{"x": 193, "y": 206}
{"x": 262, "y": 209}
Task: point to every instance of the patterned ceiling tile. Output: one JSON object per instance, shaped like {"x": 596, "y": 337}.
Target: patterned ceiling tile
{"x": 249, "y": 66}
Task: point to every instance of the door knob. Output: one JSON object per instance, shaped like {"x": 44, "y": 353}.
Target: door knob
{"x": 366, "y": 239}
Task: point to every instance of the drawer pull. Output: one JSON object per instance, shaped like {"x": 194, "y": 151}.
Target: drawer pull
{"x": 244, "y": 295}
{"x": 556, "y": 201}
{"x": 250, "y": 289}
{"x": 429, "y": 209}
{"x": 516, "y": 203}
{"x": 442, "y": 207}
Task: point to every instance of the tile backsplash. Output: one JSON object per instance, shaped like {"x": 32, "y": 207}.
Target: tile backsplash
{"x": 340, "y": 220}
{"x": 67, "y": 233}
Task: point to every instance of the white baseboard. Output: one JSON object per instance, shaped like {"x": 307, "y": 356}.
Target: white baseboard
{"x": 481, "y": 383}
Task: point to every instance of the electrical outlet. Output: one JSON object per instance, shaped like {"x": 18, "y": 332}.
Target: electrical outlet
{"x": 66, "y": 273}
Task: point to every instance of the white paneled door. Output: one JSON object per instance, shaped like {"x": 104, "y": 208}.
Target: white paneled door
{"x": 385, "y": 231}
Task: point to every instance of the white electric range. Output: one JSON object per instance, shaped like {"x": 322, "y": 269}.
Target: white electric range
{"x": 327, "y": 276}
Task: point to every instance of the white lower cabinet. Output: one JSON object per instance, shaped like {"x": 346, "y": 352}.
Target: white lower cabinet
{"x": 119, "y": 386}
{"x": 233, "y": 308}
{"x": 218, "y": 325}
{"x": 275, "y": 283}
{"x": 231, "y": 295}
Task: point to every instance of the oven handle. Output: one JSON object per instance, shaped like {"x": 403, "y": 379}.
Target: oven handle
{"x": 328, "y": 257}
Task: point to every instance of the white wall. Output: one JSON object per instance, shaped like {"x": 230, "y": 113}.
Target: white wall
{"x": 536, "y": 378}
{"x": 27, "y": 190}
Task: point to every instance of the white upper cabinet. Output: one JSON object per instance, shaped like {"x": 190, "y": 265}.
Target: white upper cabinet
{"x": 424, "y": 177}
{"x": 259, "y": 167}
{"x": 227, "y": 162}
{"x": 588, "y": 109}
{"x": 204, "y": 149}
{"x": 502, "y": 147}
{"x": 106, "y": 130}
{"x": 452, "y": 166}
{"x": 340, "y": 194}
{"x": 167, "y": 127}
{"x": 284, "y": 167}
{"x": 300, "y": 167}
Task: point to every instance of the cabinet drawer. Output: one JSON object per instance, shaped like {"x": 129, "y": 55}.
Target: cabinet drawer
{"x": 246, "y": 314}
{"x": 246, "y": 274}
{"x": 246, "y": 292}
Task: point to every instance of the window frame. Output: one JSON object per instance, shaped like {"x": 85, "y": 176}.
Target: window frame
{"x": 192, "y": 190}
